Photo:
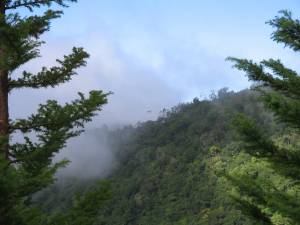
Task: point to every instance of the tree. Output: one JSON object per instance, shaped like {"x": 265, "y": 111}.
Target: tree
{"x": 27, "y": 167}
{"x": 266, "y": 179}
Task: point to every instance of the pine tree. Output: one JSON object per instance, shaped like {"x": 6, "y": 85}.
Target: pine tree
{"x": 267, "y": 180}
{"x": 27, "y": 167}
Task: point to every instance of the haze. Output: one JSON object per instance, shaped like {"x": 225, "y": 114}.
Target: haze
{"x": 154, "y": 54}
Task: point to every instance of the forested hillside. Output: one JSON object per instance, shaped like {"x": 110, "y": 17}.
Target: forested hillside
{"x": 232, "y": 158}
{"x": 164, "y": 174}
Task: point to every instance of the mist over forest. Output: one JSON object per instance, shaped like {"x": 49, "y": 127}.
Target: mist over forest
{"x": 149, "y": 112}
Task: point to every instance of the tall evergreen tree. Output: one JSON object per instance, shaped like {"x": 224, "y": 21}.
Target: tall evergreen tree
{"x": 268, "y": 183}
{"x": 27, "y": 167}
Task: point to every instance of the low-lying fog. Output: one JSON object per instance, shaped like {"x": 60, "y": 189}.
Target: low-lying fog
{"x": 90, "y": 156}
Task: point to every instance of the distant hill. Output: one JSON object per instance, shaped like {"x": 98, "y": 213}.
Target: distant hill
{"x": 163, "y": 175}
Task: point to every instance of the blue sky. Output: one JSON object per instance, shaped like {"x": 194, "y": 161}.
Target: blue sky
{"x": 154, "y": 54}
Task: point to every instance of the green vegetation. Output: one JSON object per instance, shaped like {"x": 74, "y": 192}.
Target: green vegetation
{"x": 168, "y": 179}
{"x": 266, "y": 175}
{"x": 27, "y": 167}
{"x": 165, "y": 173}
{"x": 226, "y": 160}
{"x": 232, "y": 159}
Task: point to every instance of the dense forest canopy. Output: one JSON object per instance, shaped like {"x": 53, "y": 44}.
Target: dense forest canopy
{"x": 164, "y": 173}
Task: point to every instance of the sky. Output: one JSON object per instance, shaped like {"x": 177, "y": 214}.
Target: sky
{"x": 154, "y": 54}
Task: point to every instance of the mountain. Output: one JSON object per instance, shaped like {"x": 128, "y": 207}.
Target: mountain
{"x": 163, "y": 174}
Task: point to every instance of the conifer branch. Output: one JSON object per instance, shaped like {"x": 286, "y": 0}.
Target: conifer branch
{"x": 20, "y": 37}
{"x": 55, "y": 75}
{"x": 52, "y": 116}
{"x": 287, "y": 30}
{"x": 27, "y": 167}
{"x": 30, "y": 4}
{"x": 282, "y": 79}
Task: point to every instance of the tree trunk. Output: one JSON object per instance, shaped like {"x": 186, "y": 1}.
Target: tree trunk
{"x": 4, "y": 132}
{"x": 3, "y": 114}
{"x": 4, "y": 111}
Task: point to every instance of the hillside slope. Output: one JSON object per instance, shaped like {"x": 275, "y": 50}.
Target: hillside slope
{"x": 164, "y": 176}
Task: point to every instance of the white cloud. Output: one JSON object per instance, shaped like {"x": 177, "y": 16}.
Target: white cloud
{"x": 136, "y": 88}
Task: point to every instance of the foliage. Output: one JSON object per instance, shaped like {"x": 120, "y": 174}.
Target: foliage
{"x": 26, "y": 167}
{"x": 168, "y": 178}
{"x": 165, "y": 171}
{"x": 266, "y": 177}
{"x": 166, "y": 168}
{"x": 85, "y": 208}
